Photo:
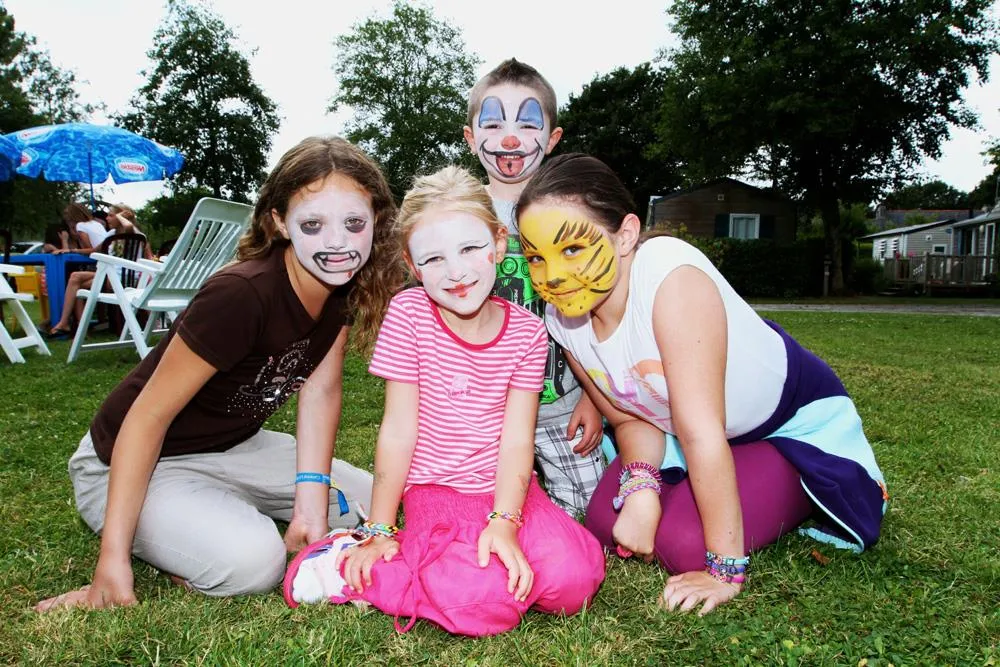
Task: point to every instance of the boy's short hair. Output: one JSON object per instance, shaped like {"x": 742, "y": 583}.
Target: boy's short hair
{"x": 515, "y": 72}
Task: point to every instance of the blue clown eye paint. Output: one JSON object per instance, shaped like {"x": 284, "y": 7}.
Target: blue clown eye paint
{"x": 491, "y": 111}
{"x": 531, "y": 114}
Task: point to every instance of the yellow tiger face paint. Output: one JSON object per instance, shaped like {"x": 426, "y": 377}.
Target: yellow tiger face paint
{"x": 572, "y": 262}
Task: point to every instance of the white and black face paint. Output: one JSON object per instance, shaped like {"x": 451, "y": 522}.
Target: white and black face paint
{"x": 331, "y": 226}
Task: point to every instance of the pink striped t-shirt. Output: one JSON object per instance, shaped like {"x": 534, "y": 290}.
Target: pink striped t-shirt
{"x": 463, "y": 387}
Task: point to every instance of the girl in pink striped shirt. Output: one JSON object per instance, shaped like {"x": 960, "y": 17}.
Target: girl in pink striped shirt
{"x": 482, "y": 542}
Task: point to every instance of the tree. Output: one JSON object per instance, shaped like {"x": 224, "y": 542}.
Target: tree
{"x": 614, "y": 119}
{"x": 34, "y": 92}
{"x": 987, "y": 193}
{"x": 927, "y": 195}
{"x": 831, "y": 100}
{"x": 201, "y": 99}
{"x": 405, "y": 78}
{"x": 162, "y": 218}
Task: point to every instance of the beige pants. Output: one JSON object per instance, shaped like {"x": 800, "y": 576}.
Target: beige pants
{"x": 207, "y": 518}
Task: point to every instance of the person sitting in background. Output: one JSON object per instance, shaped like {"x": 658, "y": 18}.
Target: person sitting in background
{"x": 120, "y": 220}
{"x": 83, "y": 234}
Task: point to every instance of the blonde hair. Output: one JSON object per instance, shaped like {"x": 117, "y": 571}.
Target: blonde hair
{"x": 311, "y": 160}
{"x": 124, "y": 210}
{"x": 449, "y": 189}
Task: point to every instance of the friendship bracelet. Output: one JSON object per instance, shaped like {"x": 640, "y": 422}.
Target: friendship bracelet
{"x": 725, "y": 569}
{"x": 517, "y": 518}
{"x": 634, "y": 477}
{"x": 638, "y": 467}
{"x": 373, "y": 529}
{"x": 317, "y": 477}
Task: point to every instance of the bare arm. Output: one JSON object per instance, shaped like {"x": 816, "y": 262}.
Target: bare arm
{"x": 637, "y": 439}
{"x": 514, "y": 462}
{"x": 397, "y": 438}
{"x": 689, "y": 322}
{"x": 318, "y": 418}
{"x": 517, "y": 450}
{"x": 177, "y": 378}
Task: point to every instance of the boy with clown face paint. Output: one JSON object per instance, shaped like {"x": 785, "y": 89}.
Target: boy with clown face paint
{"x": 511, "y": 128}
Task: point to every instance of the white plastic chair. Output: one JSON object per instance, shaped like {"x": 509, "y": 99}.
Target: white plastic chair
{"x": 10, "y": 345}
{"x": 207, "y": 242}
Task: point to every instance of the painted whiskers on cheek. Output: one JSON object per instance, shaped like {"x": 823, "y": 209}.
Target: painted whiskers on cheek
{"x": 575, "y": 267}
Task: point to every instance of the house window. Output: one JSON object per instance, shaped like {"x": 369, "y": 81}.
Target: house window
{"x": 939, "y": 249}
{"x": 744, "y": 225}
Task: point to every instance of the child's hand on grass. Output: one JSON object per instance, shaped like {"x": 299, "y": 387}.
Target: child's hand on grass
{"x": 358, "y": 561}
{"x": 112, "y": 587}
{"x": 500, "y": 537}
{"x": 685, "y": 591}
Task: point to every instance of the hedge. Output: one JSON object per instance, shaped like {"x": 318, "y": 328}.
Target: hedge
{"x": 762, "y": 268}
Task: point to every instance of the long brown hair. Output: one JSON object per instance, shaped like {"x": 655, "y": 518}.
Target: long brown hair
{"x": 311, "y": 160}
{"x": 583, "y": 180}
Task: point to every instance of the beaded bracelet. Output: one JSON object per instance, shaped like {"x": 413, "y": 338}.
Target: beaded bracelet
{"x": 635, "y": 476}
{"x": 725, "y": 569}
{"x": 516, "y": 517}
{"x": 373, "y": 529}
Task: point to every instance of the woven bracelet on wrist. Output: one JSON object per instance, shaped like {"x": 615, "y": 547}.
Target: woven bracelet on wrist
{"x": 635, "y": 476}
{"x": 517, "y": 518}
{"x": 725, "y": 569}
{"x": 373, "y": 529}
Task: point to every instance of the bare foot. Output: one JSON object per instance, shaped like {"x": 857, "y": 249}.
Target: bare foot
{"x": 183, "y": 583}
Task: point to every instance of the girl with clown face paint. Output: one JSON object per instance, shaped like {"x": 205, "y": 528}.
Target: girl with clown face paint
{"x": 176, "y": 468}
{"x": 463, "y": 371}
{"x": 730, "y": 433}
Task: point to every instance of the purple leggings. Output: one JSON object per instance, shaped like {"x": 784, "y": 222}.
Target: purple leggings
{"x": 771, "y": 497}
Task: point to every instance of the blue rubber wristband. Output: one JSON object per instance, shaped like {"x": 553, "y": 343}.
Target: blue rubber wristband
{"x": 317, "y": 477}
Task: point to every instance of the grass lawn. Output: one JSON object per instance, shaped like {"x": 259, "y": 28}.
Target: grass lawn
{"x": 927, "y": 594}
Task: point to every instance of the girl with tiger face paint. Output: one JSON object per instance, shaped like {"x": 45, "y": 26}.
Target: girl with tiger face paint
{"x": 754, "y": 433}
{"x": 572, "y": 259}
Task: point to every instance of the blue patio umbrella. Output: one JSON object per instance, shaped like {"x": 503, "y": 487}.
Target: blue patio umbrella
{"x": 10, "y": 155}
{"x": 85, "y": 153}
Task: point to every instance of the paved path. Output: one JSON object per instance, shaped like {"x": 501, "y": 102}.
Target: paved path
{"x": 904, "y": 308}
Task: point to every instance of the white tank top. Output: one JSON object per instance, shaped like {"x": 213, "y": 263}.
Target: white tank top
{"x": 626, "y": 366}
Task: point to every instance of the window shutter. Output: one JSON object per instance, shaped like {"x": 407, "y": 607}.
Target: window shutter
{"x": 766, "y": 227}
{"x": 721, "y": 225}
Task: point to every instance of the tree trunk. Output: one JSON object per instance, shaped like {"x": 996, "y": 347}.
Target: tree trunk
{"x": 830, "y": 209}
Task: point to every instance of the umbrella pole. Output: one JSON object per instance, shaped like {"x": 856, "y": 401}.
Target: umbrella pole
{"x": 90, "y": 166}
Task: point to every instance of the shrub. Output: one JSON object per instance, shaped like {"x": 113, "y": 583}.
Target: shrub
{"x": 762, "y": 268}
{"x": 866, "y": 276}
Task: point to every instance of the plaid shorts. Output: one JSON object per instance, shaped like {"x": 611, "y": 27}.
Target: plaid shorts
{"x": 570, "y": 479}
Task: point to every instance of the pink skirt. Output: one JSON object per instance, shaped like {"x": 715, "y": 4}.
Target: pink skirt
{"x": 436, "y": 575}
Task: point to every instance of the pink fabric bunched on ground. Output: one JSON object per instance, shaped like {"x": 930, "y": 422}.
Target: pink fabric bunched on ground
{"x": 436, "y": 575}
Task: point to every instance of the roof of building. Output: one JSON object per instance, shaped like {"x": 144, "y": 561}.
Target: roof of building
{"x": 725, "y": 179}
{"x": 899, "y": 231}
{"x": 989, "y": 216}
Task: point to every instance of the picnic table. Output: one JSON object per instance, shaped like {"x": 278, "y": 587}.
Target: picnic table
{"x": 55, "y": 275}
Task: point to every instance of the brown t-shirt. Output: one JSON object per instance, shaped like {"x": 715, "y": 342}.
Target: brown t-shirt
{"x": 247, "y": 322}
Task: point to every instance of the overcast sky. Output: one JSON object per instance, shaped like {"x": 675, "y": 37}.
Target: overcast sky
{"x": 105, "y": 42}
